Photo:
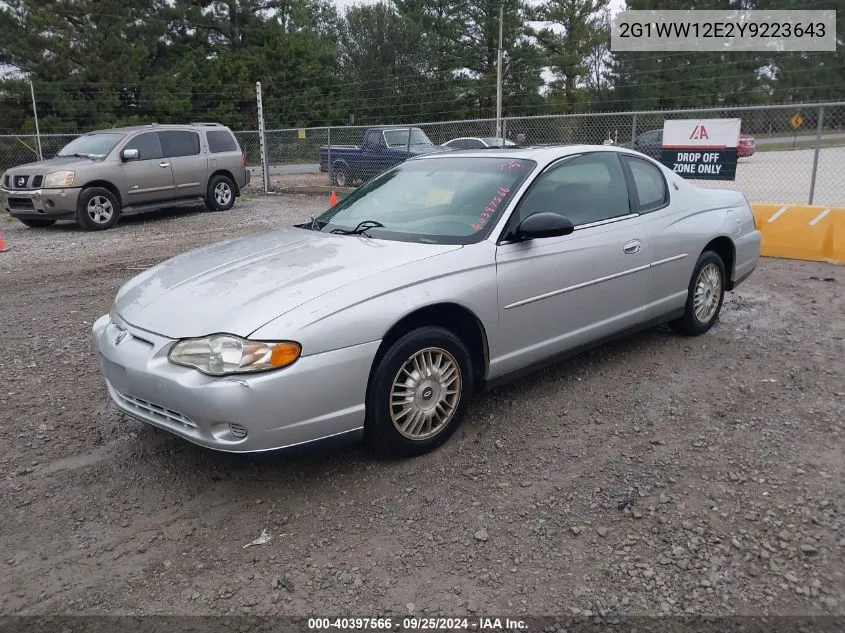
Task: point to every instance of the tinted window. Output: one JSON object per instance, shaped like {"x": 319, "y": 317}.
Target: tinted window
{"x": 585, "y": 189}
{"x": 220, "y": 141}
{"x": 147, "y": 144}
{"x": 180, "y": 143}
{"x": 650, "y": 184}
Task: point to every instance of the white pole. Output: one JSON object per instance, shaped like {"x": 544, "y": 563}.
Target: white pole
{"x": 35, "y": 114}
{"x": 262, "y": 144}
{"x": 499, "y": 74}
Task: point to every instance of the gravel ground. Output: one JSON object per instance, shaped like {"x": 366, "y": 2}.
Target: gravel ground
{"x": 654, "y": 475}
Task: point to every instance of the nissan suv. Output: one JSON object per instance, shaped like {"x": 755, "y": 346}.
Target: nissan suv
{"x": 102, "y": 175}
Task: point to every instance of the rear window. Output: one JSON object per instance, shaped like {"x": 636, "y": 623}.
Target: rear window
{"x": 179, "y": 143}
{"x": 221, "y": 141}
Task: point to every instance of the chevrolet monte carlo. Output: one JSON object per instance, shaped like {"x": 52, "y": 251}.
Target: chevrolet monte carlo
{"x": 378, "y": 319}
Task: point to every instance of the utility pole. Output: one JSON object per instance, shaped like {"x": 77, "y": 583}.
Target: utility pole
{"x": 35, "y": 114}
{"x": 499, "y": 74}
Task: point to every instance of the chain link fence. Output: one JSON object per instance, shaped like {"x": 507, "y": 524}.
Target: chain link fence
{"x": 789, "y": 154}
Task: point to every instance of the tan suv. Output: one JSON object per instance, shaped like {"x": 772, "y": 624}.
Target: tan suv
{"x": 101, "y": 175}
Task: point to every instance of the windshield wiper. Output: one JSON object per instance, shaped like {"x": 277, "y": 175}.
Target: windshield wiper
{"x": 74, "y": 154}
{"x": 361, "y": 229}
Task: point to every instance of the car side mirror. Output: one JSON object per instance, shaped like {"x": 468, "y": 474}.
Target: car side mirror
{"x": 544, "y": 224}
{"x": 130, "y": 154}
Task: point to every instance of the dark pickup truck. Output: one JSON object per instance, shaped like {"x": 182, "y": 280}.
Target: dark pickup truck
{"x": 381, "y": 149}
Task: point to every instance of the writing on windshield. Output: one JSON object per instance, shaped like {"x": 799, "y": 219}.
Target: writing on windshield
{"x": 491, "y": 208}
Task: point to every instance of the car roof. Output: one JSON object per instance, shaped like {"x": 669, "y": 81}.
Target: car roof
{"x": 158, "y": 126}
{"x": 542, "y": 154}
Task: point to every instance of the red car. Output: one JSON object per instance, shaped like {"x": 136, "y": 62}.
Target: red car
{"x": 745, "y": 146}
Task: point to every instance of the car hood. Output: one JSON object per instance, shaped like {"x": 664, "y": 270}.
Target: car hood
{"x": 239, "y": 285}
{"x": 44, "y": 167}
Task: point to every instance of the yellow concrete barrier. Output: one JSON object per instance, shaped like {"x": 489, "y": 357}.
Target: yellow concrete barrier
{"x": 799, "y": 231}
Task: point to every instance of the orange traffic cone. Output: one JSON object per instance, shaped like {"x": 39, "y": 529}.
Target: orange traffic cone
{"x": 333, "y": 199}
{"x": 3, "y": 246}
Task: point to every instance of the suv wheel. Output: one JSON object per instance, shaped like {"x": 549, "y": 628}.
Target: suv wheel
{"x": 36, "y": 223}
{"x": 220, "y": 195}
{"x": 97, "y": 209}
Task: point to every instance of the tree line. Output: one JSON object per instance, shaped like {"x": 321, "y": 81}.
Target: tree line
{"x": 100, "y": 63}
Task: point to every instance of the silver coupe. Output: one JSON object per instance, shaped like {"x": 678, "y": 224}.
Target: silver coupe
{"x": 451, "y": 272}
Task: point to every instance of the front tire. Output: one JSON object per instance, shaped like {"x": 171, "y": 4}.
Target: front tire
{"x": 705, "y": 296}
{"x": 419, "y": 393}
{"x": 220, "y": 195}
{"x": 97, "y": 209}
{"x": 36, "y": 223}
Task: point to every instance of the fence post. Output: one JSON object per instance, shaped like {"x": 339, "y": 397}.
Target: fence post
{"x": 329, "y": 155}
{"x": 504, "y": 131}
{"x": 262, "y": 141}
{"x": 819, "y": 128}
{"x": 633, "y": 128}
{"x": 35, "y": 115}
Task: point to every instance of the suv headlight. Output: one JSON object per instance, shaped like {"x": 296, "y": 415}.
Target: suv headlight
{"x": 224, "y": 354}
{"x": 59, "y": 179}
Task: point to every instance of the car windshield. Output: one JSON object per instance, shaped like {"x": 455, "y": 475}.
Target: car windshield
{"x": 91, "y": 145}
{"x": 397, "y": 138}
{"x": 434, "y": 200}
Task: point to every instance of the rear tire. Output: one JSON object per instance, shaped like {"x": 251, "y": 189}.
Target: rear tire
{"x": 97, "y": 209}
{"x": 419, "y": 393}
{"x": 341, "y": 176}
{"x": 36, "y": 223}
{"x": 705, "y": 296}
{"x": 220, "y": 195}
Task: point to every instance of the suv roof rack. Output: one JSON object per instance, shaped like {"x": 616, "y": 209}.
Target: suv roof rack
{"x": 208, "y": 123}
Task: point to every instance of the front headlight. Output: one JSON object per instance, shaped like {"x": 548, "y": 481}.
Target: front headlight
{"x": 58, "y": 179}
{"x": 223, "y": 354}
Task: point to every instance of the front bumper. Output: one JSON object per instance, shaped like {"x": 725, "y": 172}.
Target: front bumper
{"x": 318, "y": 397}
{"x": 39, "y": 203}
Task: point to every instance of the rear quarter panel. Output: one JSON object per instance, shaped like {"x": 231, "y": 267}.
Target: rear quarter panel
{"x": 695, "y": 217}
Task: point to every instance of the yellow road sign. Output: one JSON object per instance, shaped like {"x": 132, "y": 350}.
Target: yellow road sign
{"x": 796, "y": 121}
{"x": 301, "y": 133}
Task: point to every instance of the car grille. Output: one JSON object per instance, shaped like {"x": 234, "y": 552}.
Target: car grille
{"x": 21, "y": 204}
{"x": 19, "y": 181}
{"x": 153, "y": 411}
{"x": 36, "y": 181}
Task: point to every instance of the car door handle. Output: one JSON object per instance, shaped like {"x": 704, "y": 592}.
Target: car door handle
{"x": 164, "y": 164}
{"x": 631, "y": 247}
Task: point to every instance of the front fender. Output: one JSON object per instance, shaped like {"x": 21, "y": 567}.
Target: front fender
{"x": 364, "y": 312}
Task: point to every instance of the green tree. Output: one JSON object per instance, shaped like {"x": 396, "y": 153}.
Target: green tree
{"x": 573, "y": 31}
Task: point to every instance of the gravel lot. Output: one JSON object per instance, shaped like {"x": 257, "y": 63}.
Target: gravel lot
{"x": 723, "y": 451}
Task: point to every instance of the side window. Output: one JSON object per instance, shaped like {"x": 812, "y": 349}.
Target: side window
{"x": 652, "y": 192}
{"x": 219, "y": 141}
{"x": 374, "y": 140}
{"x": 588, "y": 188}
{"x": 179, "y": 143}
{"x": 148, "y": 145}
